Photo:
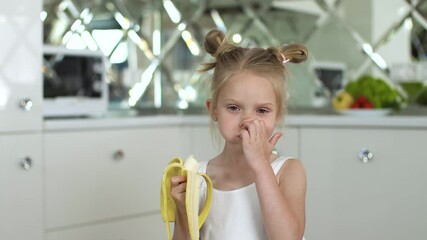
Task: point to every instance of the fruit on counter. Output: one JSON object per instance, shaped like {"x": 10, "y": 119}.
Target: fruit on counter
{"x": 377, "y": 91}
{"x": 362, "y": 102}
{"x": 342, "y": 100}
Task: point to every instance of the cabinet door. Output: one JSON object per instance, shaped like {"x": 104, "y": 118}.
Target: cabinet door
{"x": 20, "y": 65}
{"x": 288, "y": 144}
{"x": 21, "y": 206}
{"x": 383, "y": 198}
{"x": 98, "y": 176}
{"x": 206, "y": 142}
{"x": 147, "y": 227}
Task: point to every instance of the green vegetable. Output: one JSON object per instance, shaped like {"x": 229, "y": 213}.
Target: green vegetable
{"x": 377, "y": 91}
{"x": 422, "y": 99}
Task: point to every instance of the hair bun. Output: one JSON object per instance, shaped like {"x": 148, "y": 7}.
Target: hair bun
{"x": 213, "y": 41}
{"x": 296, "y": 53}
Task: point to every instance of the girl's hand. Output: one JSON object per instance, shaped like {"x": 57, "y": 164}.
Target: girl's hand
{"x": 257, "y": 144}
{"x": 178, "y": 187}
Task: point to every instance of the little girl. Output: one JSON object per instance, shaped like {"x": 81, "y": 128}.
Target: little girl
{"x": 257, "y": 195}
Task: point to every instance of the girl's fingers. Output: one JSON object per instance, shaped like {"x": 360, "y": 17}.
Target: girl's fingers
{"x": 176, "y": 180}
{"x": 275, "y": 138}
{"x": 180, "y": 188}
{"x": 253, "y": 127}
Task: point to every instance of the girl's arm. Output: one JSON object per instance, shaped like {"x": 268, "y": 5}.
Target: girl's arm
{"x": 180, "y": 231}
{"x": 282, "y": 200}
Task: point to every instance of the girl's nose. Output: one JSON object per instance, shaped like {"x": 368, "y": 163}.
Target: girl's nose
{"x": 247, "y": 118}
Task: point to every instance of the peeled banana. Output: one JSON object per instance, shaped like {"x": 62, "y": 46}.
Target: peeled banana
{"x": 190, "y": 169}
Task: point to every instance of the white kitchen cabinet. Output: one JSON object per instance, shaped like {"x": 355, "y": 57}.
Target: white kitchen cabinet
{"x": 288, "y": 144}
{"x": 20, "y": 65}
{"x": 145, "y": 227}
{"x": 206, "y": 143}
{"x": 21, "y": 200}
{"x": 383, "y": 198}
{"x": 21, "y": 163}
{"x": 98, "y": 176}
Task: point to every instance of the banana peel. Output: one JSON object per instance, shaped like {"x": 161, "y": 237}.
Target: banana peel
{"x": 189, "y": 168}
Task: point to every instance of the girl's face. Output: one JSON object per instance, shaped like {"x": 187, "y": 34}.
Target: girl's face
{"x": 245, "y": 97}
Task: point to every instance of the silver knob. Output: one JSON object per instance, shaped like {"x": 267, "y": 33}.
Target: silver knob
{"x": 365, "y": 155}
{"x": 26, "y": 163}
{"x": 26, "y": 104}
{"x": 118, "y": 155}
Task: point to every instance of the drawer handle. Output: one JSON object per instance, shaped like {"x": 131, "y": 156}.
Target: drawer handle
{"x": 26, "y": 163}
{"x": 119, "y": 155}
{"x": 365, "y": 155}
{"x": 26, "y": 104}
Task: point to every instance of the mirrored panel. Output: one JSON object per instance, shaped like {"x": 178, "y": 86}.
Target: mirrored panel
{"x": 154, "y": 47}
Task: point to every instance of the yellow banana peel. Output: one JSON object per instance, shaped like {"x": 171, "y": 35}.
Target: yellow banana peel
{"x": 189, "y": 168}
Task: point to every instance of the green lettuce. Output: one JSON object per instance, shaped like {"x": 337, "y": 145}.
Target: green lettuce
{"x": 377, "y": 91}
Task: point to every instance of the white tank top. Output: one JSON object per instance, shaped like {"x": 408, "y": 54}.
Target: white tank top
{"x": 234, "y": 214}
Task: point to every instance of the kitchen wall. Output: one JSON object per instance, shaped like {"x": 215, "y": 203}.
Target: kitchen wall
{"x": 364, "y": 35}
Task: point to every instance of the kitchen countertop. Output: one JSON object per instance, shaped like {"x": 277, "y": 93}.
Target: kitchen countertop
{"x": 296, "y": 118}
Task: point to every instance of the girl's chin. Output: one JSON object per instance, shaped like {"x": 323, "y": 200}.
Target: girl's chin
{"x": 237, "y": 139}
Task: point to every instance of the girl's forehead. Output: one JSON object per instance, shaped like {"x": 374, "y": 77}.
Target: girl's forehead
{"x": 248, "y": 86}
{"x": 248, "y": 80}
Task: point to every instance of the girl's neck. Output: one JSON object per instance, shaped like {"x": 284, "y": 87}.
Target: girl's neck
{"x": 232, "y": 155}
{"x": 229, "y": 170}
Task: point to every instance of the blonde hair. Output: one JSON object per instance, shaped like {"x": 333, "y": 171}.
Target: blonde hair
{"x": 231, "y": 59}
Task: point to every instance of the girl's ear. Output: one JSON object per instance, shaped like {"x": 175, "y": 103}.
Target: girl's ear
{"x": 209, "y": 105}
{"x": 209, "y": 108}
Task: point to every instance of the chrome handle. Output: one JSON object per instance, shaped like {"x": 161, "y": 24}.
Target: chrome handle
{"x": 26, "y": 104}
{"x": 26, "y": 163}
{"x": 365, "y": 155}
{"x": 118, "y": 155}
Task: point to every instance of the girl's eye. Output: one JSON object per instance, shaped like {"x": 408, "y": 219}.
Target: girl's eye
{"x": 233, "y": 108}
{"x": 263, "y": 111}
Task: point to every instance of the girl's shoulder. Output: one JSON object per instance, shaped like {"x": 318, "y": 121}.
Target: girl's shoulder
{"x": 293, "y": 172}
{"x": 278, "y": 163}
